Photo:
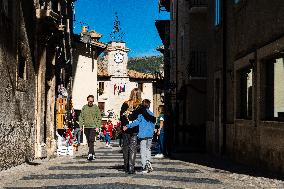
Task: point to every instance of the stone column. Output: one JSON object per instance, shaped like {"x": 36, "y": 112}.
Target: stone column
{"x": 50, "y": 108}
{"x": 40, "y": 103}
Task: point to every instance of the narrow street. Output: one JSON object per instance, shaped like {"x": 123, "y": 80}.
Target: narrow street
{"x": 106, "y": 172}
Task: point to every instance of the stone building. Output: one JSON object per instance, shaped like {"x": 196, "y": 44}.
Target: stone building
{"x": 245, "y": 82}
{"x": 240, "y": 43}
{"x": 109, "y": 79}
{"x": 87, "y": 48}
{"x": 115, "y": 81}
{"x": 53, "y": 66}
{"x": 35, "y": 49}
{"x": 187, "y": 74}
{"x": 17, "y": 84}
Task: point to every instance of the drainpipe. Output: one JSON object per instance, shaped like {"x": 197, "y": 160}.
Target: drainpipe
{"x": 224, "y": 74}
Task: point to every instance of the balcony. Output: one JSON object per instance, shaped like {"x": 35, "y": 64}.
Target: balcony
{"x": 196, "y": 6}
{"x": 48, "y": 9}
{"x": 197, "y": 67}
{"x": 164, "y": 5}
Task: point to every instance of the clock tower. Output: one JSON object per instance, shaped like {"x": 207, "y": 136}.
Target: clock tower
{"x": 117, "y": 59}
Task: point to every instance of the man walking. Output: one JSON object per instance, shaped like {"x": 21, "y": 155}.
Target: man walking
{"x": 91, "y": 119}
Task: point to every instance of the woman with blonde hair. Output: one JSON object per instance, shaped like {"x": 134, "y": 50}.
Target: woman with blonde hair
{"x": 129, "y": 137}
{"x": 130, "y": 110}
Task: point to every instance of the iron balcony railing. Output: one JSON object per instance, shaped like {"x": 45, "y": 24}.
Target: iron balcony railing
{"x": 49, "y": 5}
{"x": 197, "y": 67}
{"x": 164, "y": 5}
{"x": 197, "y": 3}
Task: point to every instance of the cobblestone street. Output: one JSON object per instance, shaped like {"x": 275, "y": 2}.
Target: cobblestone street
{"x": 106, "y": 172}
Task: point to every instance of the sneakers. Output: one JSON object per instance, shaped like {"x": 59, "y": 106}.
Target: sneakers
{"x": 159, "y": 156}
{"x": 145, "y": 170}
{"x": 91, "y": 157}
{"x": 108, "y": 145}
{"x": 148, "y": 167}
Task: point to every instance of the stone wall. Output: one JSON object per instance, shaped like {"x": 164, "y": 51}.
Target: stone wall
{"x": 253, "y": 35}
{"x": 16, "y": 90}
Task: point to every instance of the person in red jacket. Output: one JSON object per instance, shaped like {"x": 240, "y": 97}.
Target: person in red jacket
{"x": 68, "y": 136}
{"x": 108, "y": 135}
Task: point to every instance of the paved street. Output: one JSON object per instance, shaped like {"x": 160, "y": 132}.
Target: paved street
{"x": 106, "y": 172}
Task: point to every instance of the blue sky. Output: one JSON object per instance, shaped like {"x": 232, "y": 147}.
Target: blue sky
{"x": 137, "y": 22}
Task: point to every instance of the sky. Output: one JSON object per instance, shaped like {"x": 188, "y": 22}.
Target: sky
{"x": 137, "y": 21}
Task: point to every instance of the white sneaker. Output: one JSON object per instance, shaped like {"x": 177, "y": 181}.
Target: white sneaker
{"x": 159, "y": 156}
{"x": 145, "y": 170}
{"x": 149, "y": 165}
{"x": 91, "y": 157}
{"x": 106, "y": 145}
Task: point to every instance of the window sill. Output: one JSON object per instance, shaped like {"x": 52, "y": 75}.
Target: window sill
{"x": 272, "y": 124}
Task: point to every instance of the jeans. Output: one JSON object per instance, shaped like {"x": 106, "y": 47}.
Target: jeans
{"x": 102, "y": 136}
{"x": 90, "y": 135}
{"x": 145, "y": 150}
{"x": 161, "y": 145}
{"x": 129, "y": 151}
{"x": 107, "y": 138}
{"x": 77, "y": 135}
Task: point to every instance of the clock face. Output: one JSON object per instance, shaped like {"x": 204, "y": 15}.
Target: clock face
{"x": 118, "y": 57}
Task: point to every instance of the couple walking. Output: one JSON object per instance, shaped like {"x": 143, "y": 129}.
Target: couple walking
{"x": 138, "y": 123}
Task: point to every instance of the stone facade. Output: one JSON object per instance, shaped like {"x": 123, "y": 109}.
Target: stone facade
{"x": 186, "y": 73}
{"x": 17, "y": 86}
{"x": 30, "y": 68}
{"x": 243, "y": 89}
{"x": 119, "y": 81}
{"x": 245, "y": 118}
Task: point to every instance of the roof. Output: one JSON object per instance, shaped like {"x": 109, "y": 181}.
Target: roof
{"x": 102, "y": 72}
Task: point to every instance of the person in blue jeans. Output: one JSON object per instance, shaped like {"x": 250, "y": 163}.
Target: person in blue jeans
{"x": 145, "y": 135}
{"x": 160, "y": 133}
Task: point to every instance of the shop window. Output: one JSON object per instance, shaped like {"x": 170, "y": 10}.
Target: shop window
{"x": 274, "y": 89}
{"x": 217, "y": 13}
{"x": 245, "y": 93}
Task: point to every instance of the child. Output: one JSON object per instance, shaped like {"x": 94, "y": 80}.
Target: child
{"x": 160, "y": 132}
{"x": 145, "y": 134}
{"x": 108, "y": 135}
{"x": 68, "y": 136}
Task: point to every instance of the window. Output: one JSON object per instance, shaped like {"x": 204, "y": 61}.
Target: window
{"x": 245, "y": 93}
{"x": 5, "y": 7}
{"x": 217, "y": 18}
{"x": 140, "y": 86}
{"x": 236, "y": 1}
{"x": 101, "y": 88}
{"x": 21, "y": 67}
{"x": 274, "y": 90}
